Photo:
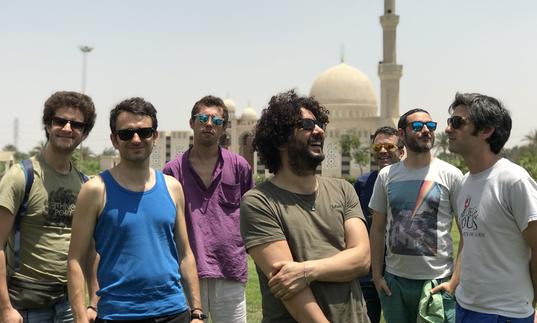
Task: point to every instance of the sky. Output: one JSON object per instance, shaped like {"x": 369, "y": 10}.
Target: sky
{"x": 172, "y": 53}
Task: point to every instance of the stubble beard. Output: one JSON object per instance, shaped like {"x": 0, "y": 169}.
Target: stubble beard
{"x": 301, "y": 161}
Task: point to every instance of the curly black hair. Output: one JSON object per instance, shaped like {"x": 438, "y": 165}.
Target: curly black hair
{"x": 277, "y": 123}
{"x": 69, "y": 99}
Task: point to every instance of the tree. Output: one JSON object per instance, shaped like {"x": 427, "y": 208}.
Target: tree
{"x": 38, "y": 148}
{"x": 531, "y": 138}
{"x": 442, "y": 141}
{"x": 18, "y": 154}
{"x": 351, "y": 146}
{"x": 110, "y": 151}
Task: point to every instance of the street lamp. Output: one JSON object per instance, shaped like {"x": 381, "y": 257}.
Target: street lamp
{"x": 85, "y": 50}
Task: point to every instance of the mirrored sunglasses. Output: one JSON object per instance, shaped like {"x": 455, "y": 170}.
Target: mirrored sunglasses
{"x": 127, "y": 134}
{"x": 61, "y": 122}
{"x": 309, "y": 124}
{"x": 204, "y": 118}
{"x": 417, "y": 126}
{"x": 387, "y": 146}
{"x": 456, "y": 121}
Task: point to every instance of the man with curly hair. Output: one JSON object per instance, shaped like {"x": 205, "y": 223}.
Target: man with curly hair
{"x": 33, "y": 281}
{"x": 306, "y": 233}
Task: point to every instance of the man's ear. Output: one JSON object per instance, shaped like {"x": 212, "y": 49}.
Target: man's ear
{"x": 113, "y": 139}
{"x": 486, "y": 132}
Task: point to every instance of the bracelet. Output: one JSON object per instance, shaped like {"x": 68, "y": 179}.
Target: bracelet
{"x": 305, "y": 275}
{"x": 92, "y": 308}
{"x": 196, "y": 309}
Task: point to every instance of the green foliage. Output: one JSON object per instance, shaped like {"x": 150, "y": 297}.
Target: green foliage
{"x": 455, "y": 160}
{"x": 351, "y": 145}
{"x": 528, "y": 160}
{"x": 259, "y": 179}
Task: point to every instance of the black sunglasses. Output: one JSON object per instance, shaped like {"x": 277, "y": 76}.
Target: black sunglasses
{"x": 417, "y": 126}
{"x": 61, "y": 122}
{"x": 309, "y": 124}
{"x": 456, "y": 121}
{"x": 127, "y": 134}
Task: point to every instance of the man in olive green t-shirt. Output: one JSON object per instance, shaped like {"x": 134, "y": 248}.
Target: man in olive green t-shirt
{"x": 33, "y": 286}
{"x": 306, "y": 233}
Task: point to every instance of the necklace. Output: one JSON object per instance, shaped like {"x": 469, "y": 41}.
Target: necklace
{"x": 307, "y": 203}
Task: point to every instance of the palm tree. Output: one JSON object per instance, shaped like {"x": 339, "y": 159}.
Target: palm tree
{"x": 442, "y": 141}
{"x": 531, "y": 138}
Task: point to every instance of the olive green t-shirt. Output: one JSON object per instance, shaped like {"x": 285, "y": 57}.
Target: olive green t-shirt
{"x": 313, "y": 226}
{"x": 46, "y": 227}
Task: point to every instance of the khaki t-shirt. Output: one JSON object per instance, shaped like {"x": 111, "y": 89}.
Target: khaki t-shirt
{"x": 46, "y": 227}
{"x": 313, "y": 226}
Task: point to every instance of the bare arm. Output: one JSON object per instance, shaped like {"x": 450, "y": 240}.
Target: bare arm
{"x": 189, "y": 273}
{"x": 302, "y": 305}
{"x": 378, "y": 232}
{"x": 7, "y": 312}
{"x": 452, "y": 284}
{"x": 530, "y": 235}
{"x": 344, "y": 266}
{"x": 88, "y": 205}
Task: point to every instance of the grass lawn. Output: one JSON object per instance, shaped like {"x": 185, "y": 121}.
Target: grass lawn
{"x": 253, "y": 296}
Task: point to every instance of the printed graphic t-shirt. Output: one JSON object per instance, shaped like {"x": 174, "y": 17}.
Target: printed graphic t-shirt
{"x": 419, "y": 205}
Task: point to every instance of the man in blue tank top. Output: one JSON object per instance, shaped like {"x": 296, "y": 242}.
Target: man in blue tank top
{"x": 135, "y": 215}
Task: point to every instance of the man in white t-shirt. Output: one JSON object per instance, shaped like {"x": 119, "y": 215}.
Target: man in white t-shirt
{"x": 497, "y": 209}
{"x": 413, "y": 207}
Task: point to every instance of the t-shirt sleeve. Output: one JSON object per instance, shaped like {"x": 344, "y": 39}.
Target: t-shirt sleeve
{"x": 523, "y": 202}
{"x": 259, "y": 223}
{"x": 352, "y": 203}
{"x": 378, "y": 200}
{"x": 12, "y": 188}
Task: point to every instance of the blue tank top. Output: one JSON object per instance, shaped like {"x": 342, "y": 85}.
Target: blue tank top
{"x": 138, "y": 273}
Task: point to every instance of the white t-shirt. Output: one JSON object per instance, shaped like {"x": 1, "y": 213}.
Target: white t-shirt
{"x": 419, "y": 204}
{"x": 494, "y": 207}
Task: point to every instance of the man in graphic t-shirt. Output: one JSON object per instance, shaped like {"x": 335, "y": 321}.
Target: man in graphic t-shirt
{"x": 413, "y": 205}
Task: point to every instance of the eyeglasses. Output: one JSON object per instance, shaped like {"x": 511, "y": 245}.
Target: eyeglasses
{"x": 417, "y": 126}
{"x": 61, "y": 122}
{"x": 204, "y": 118}
{"x": 127, "y": 134}
{"x": 309, "y": 124}
{"x": 387, "y": 146}
{"x": 456, "y": 121}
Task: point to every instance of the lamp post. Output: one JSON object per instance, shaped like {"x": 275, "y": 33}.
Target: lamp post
{"x": 85, "y": 50}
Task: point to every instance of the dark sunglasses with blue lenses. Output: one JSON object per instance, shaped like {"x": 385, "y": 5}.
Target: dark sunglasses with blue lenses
{"x": 204, "y": 118}
{"x": 456, "y": 122}
{"x": 127, "y": 134}
{"x": 309, "y": 124}
{"x": 418, "y": 125}
{"x": 61, "y": 122}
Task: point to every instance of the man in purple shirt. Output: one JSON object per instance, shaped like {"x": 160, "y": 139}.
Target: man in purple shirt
{"x": 214, "y": 180}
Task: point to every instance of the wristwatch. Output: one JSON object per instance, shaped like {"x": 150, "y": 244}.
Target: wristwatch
{"x": 197, "y": 316}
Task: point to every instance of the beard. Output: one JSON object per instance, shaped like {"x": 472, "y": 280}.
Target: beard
{"x": 413, "y": 144}
{"x": 302, "y": 161}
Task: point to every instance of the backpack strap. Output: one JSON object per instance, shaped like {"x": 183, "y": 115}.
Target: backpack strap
{"x": 28, "y": 170}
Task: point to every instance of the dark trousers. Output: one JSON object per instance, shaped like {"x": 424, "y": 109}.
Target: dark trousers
{"x": 371, "y": 300}
{"x": 183, "y": 317}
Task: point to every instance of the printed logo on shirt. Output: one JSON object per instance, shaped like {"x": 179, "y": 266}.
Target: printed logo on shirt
{"x": 60, "y": 207}
{"x": 413, "y": 225}
{"x": 468, "y": 220}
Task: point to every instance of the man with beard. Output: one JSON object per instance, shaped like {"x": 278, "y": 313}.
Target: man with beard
{"x": 386, "y": 149}
{"x": 33, "y": 282}
{"x": 135, "y": 215}
{"x": 214, "y": 179}
{"x": 413, "y": 204}
{"x": 497, "y": 210}
{"x": 306, "y": 233}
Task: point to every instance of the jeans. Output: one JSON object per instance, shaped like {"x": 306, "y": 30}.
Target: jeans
{"x": 183, "y": 317}
{"x": 467, "y": 316}
{"x": 223, "y": 300}
{"x": 58, "y": 313}
{"x": 372, "y": 301}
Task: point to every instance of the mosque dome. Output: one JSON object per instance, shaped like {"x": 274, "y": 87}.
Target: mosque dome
{"x": 230, "y": 105}
{"x": 344, "y": 85}
{"x": 249, "y": 114}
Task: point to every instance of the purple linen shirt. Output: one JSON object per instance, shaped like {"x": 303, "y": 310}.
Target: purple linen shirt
{"x": 213, "y": 214}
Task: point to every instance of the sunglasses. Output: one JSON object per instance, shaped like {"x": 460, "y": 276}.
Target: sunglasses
{"x": 204, "y": 118}
{"x": 387, "y": 146}
{"x": 456, "y": 121}
{"x": 309, "y": 124}
{"x": 127, "y": 134}
{"x": 61, "y": 122}
{"x": 417, "y": 126}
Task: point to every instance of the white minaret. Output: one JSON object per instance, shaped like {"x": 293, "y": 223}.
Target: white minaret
{"x": 389, "y": 72}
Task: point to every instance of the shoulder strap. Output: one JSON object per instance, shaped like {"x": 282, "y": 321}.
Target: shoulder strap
{"x": 28, "y": 170}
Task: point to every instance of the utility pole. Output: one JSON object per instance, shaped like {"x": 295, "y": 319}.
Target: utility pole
{"x": 85, "y": 50}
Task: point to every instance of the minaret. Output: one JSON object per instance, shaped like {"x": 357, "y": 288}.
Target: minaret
{"x": 389, "y": 72}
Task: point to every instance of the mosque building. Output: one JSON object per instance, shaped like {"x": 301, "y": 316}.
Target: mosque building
{"x": 343, "y": 89}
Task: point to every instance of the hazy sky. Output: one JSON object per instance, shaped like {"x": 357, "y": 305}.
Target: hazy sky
{"x": 174, "y": 52}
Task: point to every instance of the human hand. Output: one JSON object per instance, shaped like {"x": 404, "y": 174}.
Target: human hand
{"x": 288, "y": 279}
{"x": 448, "y": 286}
{"x": 11, "y": 315}
{"x": 91, "y": 314}
{"x": 380, "y": 285}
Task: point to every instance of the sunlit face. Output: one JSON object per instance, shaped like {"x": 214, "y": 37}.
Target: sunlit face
{"x": 66, "y": 136}
{"x": 305, "y": 149}
{"x": 385, "y": 150}
{"x": 206, "y": 131}
{"x": 136, "y": 149}
{"x": 460, "y": 131}
{"x": 418, "y": 141}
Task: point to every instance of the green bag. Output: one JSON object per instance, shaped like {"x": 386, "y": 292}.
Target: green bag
{"x": 34, "y": 295}
{"x": 431, "y": 308}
